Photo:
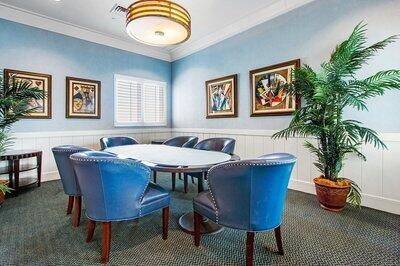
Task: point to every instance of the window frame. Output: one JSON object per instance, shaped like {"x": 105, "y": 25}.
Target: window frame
{"x": 142, "y": 81}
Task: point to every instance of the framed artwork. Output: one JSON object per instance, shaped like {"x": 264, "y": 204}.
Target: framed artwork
{"x": 222, "y": 97}
{"x": 41, "y": 81}
{"x": 268, "y": 91}
{"x": 83, "y": 98}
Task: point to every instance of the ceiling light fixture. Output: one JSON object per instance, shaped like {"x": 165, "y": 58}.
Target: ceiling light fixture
{"x": 158, "y": 23}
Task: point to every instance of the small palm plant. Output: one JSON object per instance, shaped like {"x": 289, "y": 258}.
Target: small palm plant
{"x": 327, "y": 94}
{"x": 14, "y": 104}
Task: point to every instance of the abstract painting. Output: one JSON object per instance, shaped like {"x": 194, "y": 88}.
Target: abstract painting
{"x": 221, "y": 97}
{"x": 83, "y": 98}
{"x": 268, "y": 90}
{"x": 42, "y": 107}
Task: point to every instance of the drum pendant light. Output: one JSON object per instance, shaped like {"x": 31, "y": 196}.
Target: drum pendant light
{"x": 158, "y": 23}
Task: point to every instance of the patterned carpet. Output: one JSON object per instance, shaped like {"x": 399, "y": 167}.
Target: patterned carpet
{"x": 35, "y": 231}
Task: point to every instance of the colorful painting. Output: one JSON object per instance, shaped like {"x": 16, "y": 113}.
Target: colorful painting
{"x": 221, "y": 97}
{"x": 269, "y": 90}
{"x": 83, "y": 98}
{"x": 41, "y": 108}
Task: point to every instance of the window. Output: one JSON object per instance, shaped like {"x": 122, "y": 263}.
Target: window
{"x": 139, "y": 102}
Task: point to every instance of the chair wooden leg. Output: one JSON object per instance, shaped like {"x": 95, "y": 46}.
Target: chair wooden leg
{"x": 180, "y": 176}
{"x": 70, "y": 204}
{"x": 154, "y": 176}
{"x": 278, "y": 238}
{"x": 185, "y": 183}
{"x": 77, "y": 211}
{"x": 173, "y": 181}
{"x": 192, "y": 179}
{"x": 165, "y": 218}
{"x": 106, "y": 242}
{"x": 197, "y": 220}
{"x": 91, "y": 225}
{"x": 249, "y": 248}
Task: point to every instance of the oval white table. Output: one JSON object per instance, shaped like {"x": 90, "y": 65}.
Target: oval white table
{"x": 162, "y": 158}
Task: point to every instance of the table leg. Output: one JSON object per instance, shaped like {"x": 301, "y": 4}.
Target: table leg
{"x": 173, "y": 181}
{"x": 10, "y": 173}
{"x": 16, "y": 177}
{"x": 39, "y": 169}
{"x": 200, "y": 183}
{"x": 186, "y": 221}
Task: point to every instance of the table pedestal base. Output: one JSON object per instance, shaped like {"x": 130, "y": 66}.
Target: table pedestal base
{"x": 206, "y": 226}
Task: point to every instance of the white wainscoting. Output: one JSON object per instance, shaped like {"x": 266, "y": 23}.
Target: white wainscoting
{"x": 378, "y": 177}
{"x": 91, "y": 139}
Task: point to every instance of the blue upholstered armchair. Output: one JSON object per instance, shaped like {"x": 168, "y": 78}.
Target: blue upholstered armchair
{"x": 226, "y": 145}
{"x": 115, "y": 189}
{"x": 68, "y": 178}
{"x": 184, "y": 142}
{"x": 116, "y": 141}
{"x": 247, "y": 195}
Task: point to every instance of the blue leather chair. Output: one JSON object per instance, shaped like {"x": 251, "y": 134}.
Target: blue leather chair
{"x": 68, "y": 178}
{"x": 115, "y": 189}
{"x": 226, "y": 145}
{"x": 247, "y": 195}
{"x": 116, "y": 141}
{"x": 181, "y": 141}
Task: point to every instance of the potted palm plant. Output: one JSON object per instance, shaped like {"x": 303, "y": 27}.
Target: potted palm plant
{"x": 326, "y": 95}
{"x": 14, "y": 104}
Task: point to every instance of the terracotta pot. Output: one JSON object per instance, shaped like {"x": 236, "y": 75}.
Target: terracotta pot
{"x": 2, "y": 196}
{"x": 332, "y": 198}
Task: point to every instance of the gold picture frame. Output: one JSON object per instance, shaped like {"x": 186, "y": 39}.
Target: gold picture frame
{"x": 83, "y": 98}
{"x": 39, "y": 80}
{"x": 221, "y": 98}
{"x": 267, "y": 90}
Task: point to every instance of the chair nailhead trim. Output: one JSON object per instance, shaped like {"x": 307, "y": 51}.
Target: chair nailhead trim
{"x": 69, "y": 150}
{"x": 226, "y": 165}
{"x": 142, "y": 196}
{"x": 112, "y": 161}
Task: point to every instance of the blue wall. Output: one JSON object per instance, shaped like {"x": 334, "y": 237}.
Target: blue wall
{"x": 31, "y": 49}
{"x": 309, "y": 33}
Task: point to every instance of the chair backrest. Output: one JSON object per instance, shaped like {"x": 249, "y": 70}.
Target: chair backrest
{"x": 112, "y": 188}
{"x": 65, "y": 168}
{"x": 182, "y": 141}
{"x": 226, "y": 145}
{"x": 116, "y": 141}
{"x": 250, "y": 194}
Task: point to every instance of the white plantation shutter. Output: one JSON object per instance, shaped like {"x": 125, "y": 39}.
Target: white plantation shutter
{"x": 139, "y": 102}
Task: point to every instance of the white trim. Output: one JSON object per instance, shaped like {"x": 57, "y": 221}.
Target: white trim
{"x": 48, "y": 134}
{"x": 26, "y": 17}
{"x": 394, "y": 137}
{"x": 262, "y": 15}
{"x": 30, "y": 18}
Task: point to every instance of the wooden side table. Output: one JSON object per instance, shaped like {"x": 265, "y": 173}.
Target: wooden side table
{"x": 14, "y": 168}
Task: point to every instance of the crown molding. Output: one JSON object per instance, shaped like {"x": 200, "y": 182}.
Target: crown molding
{"x": 47, "y": 23}
{"x": 262, "y": 15}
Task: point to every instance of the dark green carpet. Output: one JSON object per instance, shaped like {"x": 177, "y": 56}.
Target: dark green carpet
{"x": 34, "y": 230}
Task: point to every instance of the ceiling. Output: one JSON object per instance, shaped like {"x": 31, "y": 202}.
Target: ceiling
{"x": 212, "y": 20}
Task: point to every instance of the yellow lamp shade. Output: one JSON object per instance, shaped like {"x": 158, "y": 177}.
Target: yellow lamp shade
{"x": 158, "y": 23}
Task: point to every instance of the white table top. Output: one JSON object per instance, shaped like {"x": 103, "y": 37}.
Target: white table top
{"x": 170, "y": 156}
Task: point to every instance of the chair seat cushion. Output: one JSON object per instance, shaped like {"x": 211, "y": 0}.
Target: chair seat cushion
{"x": 155, "y": 198}
{"x": 204, "y": 205}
